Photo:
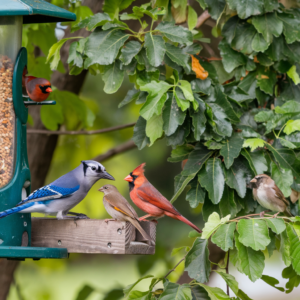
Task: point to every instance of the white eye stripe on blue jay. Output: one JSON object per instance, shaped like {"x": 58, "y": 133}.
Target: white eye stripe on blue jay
{"x": 64, "y": 193}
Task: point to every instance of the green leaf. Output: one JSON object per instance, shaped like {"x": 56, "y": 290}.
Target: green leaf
{"x": 177, "y": 55}
{"x": 155, "y": 99}
{"x": 139, "y": 134}
{"x": 294, "y": 247}
{"x": 231, "y": 149}
{"x": 75, "y": 57}
{"x": 91, "y": 22}
{"x": 52, "y": 116}
{"x": 129, "y": 51}
{"x": 276, "y": 225}
{"x": 233, "y": 284}
{"x": 214, "y": 292}
{"x": 294, "y": 279}
{"x": 114, "y": 294}
{"x": 292, "y": 73}
{"x": 212, "y": 178}
{"x": 186, "y": 88}
{"x": 54, "y": 52}
{"x": 132, "y": 95}
{"x": 227, "y": 204}
{"x": 199, "y": 119}
{"x": 213, "y": 223}
{"x": 264, "y": 116}
{"x": 196, "y": 194}
{"x": 172, "y": 116}
{"x": 175, "y": 291}
{"x": 294, "y": 138}
{"x": 231, "y": 59}
{"x": 195, "y": 162}
{"x": 199, "y": 293}
{"x": 272, "y": 282}
{"x": 290, "y": 26}
{"x": 192, "y": 18}
{"x": 156, "y": 49}
{"x": 251, "y": 262}
{"x": 248, "y": 131}
{"x": 254, "y": 143}
{"x": 181, "y": 101}
{"x": 292, "y": 126}
{"x": 201, "y": 86}
{"x": 285, "y": 248}
{"x": 215, "y": 8}
{"x": 283, "y": 179}
{"x": 154, "y": 128}
{"x": 259, "y": 44}
{"x": 288, "y": 107}
{"x": 268, "y": 25}
{"x": 175, "y": 33}
{"x": 138, "y": 295}
{"x": 113, "y": 77}
{"x": 223, "y": 237}
{"x": 129, "y": 288}
{"x": 253, "y": 233}
{"x": 108, "y": 43}
{"x": 85, "y": 292}
{"x": 256, "y": 160}
{"x": 196, "y": 262}
{"x": 236, "y": 177}
{"x": 180, "y": 153}
{"x": 113, "y": 7}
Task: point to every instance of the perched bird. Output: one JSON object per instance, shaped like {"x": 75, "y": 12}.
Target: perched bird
{"x": 146, "y": 197}
{"x": 64, "y": 193}
{"x": 119, "y": 208}
{"x": 38, "y": 89}
{"x": 268, "y": 195}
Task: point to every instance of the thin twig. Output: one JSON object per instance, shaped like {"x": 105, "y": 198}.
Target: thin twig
{"x": 83, "y": 132}
{"x": 116, "y": 150}
{"x": 175, "y": 267}
{"x": 227, "y": 272}
{"x": 202, "y": 18}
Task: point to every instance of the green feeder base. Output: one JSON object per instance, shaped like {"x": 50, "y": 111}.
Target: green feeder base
{"x": 36, "y": 253}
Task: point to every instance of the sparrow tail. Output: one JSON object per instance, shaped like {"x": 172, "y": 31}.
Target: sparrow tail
{"x": 145, "y": 235}
{"x": 287, "y": 213}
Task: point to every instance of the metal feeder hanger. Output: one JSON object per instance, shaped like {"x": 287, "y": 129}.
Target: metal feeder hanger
{"x": 15, "y": 181}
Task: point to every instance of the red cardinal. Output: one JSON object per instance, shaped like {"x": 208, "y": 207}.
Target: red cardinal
{"x": 146, "y": 197}
{"x": 38, "y": 89}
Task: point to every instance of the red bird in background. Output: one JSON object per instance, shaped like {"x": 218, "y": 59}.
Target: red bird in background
{"x": 38, "y": 89}
{"x": 146, "y": 197}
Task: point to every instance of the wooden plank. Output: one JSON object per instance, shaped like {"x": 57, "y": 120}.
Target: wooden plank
{"x": 91, "y": 236}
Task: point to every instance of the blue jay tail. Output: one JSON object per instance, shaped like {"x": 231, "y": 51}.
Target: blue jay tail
{"x": 16, "y": 209}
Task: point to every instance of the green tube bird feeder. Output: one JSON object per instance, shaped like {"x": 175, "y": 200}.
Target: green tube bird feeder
{"x": 15, "y": 181}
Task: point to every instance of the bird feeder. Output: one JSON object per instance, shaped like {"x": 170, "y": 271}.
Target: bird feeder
{"x": 20, "y": 236}
{"x": 15, "y": 230}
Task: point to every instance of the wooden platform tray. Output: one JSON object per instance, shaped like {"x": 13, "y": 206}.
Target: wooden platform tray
{"x": 91, "y": 236}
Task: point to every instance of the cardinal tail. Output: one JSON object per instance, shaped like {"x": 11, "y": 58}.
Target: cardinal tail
{"x": 145, "y": 235}
{"x": 186, "y": 221}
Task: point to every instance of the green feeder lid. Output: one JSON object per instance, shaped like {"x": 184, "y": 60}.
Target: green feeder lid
{"x": 35, "y": 11}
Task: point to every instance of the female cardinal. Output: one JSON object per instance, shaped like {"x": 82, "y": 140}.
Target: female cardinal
{"x": 38, "y": 89}
{"x": 146, "y": 197}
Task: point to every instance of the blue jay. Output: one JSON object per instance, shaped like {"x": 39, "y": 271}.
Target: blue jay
{"x": 64, "y": 193}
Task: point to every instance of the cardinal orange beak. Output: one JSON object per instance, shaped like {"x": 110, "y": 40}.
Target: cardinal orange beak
{"x": 48, "y": 90}
{"x": 128, "y": 178}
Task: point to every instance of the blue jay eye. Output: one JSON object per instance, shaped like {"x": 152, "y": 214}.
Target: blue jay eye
{"x": 94, "y": 168}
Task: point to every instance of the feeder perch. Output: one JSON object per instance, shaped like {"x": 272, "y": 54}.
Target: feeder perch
{"x": 15, "y": 230}
{"x": 20, "y": 236}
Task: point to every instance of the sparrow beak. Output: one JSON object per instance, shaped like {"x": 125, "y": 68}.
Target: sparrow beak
{"x": 105, "y": 175}
{"x": 101, "y": 189}
{"x": 128, "y": 178}
{"x": 48, "y": 90}
{"x": 253, "y": 180}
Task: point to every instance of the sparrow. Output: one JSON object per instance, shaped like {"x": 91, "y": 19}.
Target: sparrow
{"x": 119, "y": 208}
{"x": 38, "y": 89}
{"x": 268, "y": 195}
{"x": 146, "y": 197}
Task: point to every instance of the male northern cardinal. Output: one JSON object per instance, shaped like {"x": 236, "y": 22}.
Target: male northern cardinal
{"x": 38, "y": 89}
{"x": 146, "y": 197}
{"x": 268, "y": 194}
{"x": 119, "y": 208}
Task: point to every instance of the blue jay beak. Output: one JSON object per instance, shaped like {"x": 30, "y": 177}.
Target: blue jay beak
{"x": 105, "y": 175}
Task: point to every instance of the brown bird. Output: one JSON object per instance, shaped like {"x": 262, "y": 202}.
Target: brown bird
{"x": 146, "y": 197}
{"x": 268, "y": 195}
{"x": 119, "y": 208}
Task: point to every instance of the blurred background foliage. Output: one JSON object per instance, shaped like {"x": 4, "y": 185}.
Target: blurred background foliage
{"x": 93, "y": 109}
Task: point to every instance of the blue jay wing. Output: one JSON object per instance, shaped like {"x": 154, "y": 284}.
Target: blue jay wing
{"x": 50, "y": 192}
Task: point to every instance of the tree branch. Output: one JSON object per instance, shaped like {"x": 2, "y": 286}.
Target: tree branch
{"x": 202, "y": 18}
{"x": 114, "y": 151}
{"x": 82, "y": 132}
{"x": 175, "y": 267}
